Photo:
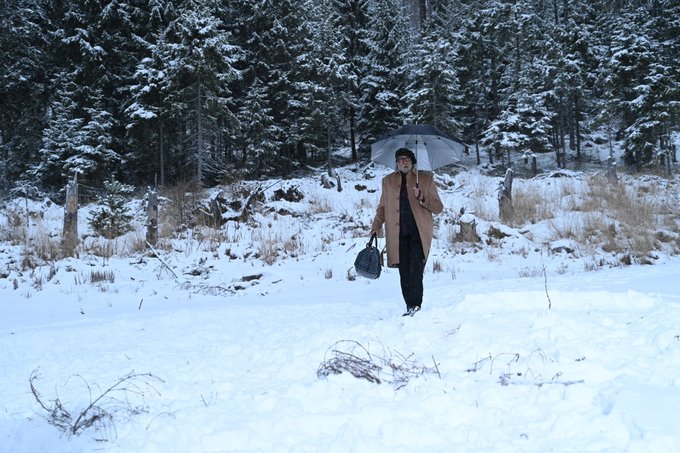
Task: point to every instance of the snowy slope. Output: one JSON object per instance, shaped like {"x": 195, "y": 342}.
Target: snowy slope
{"x": 517, "y": 348}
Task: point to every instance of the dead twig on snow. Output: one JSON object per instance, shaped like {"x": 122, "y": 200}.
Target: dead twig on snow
{"x": 103, "y": 409}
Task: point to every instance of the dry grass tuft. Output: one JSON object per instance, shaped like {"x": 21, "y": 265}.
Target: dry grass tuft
{"x": 178, "y": 211}
{"x": 352, "y": 357}
{"x": 318, "y": 205}
{"x": 624, "y": 219}
{"x": 42, "y": 249}
{"x": 98, "y": 276}
{"x": 13, "y": 229}
{"x": 530, "y": 207}
{"x": 268, "y": 246}
{"x": 629, "y": 217}
{"x": 120, "y": 401}
{"x": 437, "y": 266}
{"x": 101, "y": 247}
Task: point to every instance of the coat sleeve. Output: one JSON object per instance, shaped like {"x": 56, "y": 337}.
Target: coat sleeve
{"x": 379, "y": 218}
{"x": 432, "y": 201}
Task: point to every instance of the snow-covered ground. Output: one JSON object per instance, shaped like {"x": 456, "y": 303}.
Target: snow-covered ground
{"x": 521, "y": 346}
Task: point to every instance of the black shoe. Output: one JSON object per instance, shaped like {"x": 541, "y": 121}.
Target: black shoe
{"x": 412, "y": 310}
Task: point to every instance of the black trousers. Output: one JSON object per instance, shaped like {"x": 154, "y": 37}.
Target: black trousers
{"x": 411, "y": 268}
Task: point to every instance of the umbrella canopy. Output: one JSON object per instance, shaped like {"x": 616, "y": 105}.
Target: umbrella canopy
{"x": 432, "y": 147}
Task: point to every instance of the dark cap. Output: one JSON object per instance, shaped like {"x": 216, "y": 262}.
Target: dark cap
{"x": 405, "y": 152}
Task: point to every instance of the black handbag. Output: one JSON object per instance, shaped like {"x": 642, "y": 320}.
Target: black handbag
{"x": 368, "y": 263}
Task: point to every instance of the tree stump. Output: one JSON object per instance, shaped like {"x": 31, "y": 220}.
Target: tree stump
{"x": 611, "y": 170}
{"x": 326, "y": 182}
{"x": 69, "y": 236}
{"x": 468, "y": 228}
{"x": 505, "y": 198}
{"x": 218, "y": 206}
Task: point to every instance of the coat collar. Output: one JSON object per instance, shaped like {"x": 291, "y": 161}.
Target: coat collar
{"x": 408, "y": 175}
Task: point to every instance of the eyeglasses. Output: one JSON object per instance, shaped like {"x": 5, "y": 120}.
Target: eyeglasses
{"x": 403, "y": 159}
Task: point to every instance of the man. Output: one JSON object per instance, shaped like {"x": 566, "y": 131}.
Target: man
{"x": 406, "y": 205}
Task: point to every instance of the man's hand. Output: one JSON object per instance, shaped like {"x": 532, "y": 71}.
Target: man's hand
{"x": 418, "y": 194}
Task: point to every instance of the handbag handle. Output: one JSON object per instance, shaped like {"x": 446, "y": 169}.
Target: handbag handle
{"x": 373, "y": 237}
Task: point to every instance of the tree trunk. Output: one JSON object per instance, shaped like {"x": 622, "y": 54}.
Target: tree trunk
{"x": 505, "y": 198}
{"x": 561, "y": 148}
{"x": 666, "y": 161}
{"x": 422, "y": 10}
{"x": 352, "y": 134}
{"x": 152, "y": 217}
{"x": 69, "y": 238}
{"x": 199, "y": 134}
{"x": 329, "y": 158}
{"x": 577, "y": 126}
{"x": 162, "y": 153}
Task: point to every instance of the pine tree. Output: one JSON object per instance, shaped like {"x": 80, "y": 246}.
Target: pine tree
{"x": 24, "y": 63}
{"x": 522, "y": 127}
{"x": 92, "y": 49}
{"x": 276, "y": 42}
{"x": 166, "y": 87}
{"x": 433, "y": 95}
{"x": 258, "y": 126}
{"x": 324, "y": 78}
{"x": 197, "y": 60}
{"x": 112, "y": 218}
{"x": 76, "y": 140}
{"x": 60, "y": 137}
{"x": 632, "y": 62}
{"x": 658, "y": 99}
{"x": 350, "y": 19}
{"x": 147, "y": 113}
{"x": 383, "y": 87}
{"x": 481, "y": 64}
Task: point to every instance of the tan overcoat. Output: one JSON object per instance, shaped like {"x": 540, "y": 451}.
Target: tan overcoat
{"x": 387, "y": 212}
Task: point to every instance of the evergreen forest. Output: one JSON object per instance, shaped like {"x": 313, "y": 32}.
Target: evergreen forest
{"x": 162, "y": 91}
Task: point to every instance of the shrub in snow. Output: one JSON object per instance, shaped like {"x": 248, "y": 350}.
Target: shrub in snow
{"x": 112, "y": 218}
{"x": 352, "y": 357}
{"x": 101, "y": 411}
